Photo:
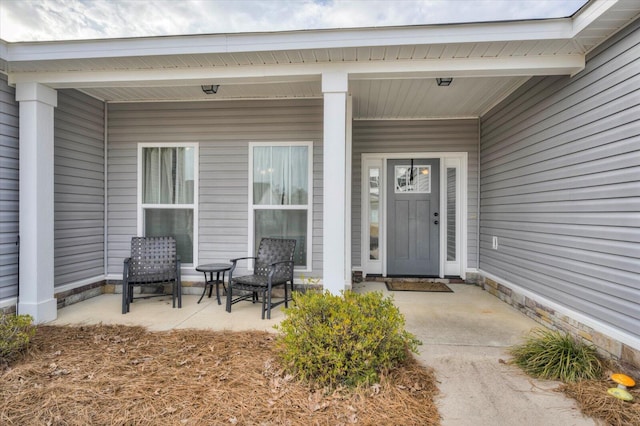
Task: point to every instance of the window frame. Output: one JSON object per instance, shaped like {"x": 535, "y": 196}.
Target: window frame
{"x": 308, "y": 206}
{"x": 196, "y": 176}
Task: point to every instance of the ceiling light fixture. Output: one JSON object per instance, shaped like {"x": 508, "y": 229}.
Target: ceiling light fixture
{"x": 210, "y": 89}
{"x": 444, "y": 81}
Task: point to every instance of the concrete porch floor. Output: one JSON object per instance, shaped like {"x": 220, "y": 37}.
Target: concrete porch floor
{"x": 466, "y": 335}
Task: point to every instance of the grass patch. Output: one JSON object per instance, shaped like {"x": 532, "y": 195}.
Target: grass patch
{"x": 554, "y": 355}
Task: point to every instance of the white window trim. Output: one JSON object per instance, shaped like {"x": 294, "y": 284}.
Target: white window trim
{"x": 196, "y": 203}
{"x": 308, "y": 206}
{"x": 458, "y": 160}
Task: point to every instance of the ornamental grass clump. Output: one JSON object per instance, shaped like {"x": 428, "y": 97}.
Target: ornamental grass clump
{"x": 348, "y": 340}
{"x": 15, "y": 333}
{"x": 554, "y": 355}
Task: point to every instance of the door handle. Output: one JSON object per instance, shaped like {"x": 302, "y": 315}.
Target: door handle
{"x": 435, "y": 222}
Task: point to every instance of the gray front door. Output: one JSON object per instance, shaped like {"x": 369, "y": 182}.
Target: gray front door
{"x": 413, "y": 216}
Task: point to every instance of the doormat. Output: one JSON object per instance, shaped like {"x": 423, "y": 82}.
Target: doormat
{"x": 394, "y": 285}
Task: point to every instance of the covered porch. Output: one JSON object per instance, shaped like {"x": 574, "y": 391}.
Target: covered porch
{"x": 102, "y": 103}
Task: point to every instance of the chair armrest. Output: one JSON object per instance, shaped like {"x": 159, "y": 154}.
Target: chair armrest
{"x": 235, "y": 262}
{"x": 242, "y": 258}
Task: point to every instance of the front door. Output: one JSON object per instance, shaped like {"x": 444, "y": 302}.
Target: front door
{"x": 413, "y": 216}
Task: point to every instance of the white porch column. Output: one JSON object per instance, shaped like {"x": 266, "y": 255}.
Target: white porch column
{"x": 36, "y": 201}
{"x": 334, "y": 88}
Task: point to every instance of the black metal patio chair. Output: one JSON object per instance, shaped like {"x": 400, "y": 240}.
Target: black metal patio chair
{"x": 273, "y": 267}
{"x": 153, "y": 262}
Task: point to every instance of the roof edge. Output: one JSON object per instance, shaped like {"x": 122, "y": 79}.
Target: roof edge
{"x": 555, "y": 28}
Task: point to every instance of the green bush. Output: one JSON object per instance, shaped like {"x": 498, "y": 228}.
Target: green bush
{"x": 554, "y": 355}
{"x": 333, "y": 340}
{"x": 15, "y": 333}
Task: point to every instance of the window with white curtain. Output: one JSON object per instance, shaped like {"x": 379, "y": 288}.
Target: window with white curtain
{"x": 280, "y": 194}
{"x": 168, "y": 194}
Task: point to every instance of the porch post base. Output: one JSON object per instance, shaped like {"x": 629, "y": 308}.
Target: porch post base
{"x": 41, "y": 312}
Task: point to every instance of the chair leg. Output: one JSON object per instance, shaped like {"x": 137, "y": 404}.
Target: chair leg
{"x": 264, "y": 297}
{"x": 174, "y": 292}
{"x": 286, "y": 297}
{"x": 229, "y": 295}
{"x": 125, "y": 298}
{"x": 179, "y": 285}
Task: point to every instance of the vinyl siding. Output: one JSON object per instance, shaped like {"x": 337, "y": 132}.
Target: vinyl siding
{"x": 78, "y": 187}
{"x": 389, "y": 136}
{"x": 223, "y": 131}
{"x": 9, "y": 190}
{"x": 560, "y": 186}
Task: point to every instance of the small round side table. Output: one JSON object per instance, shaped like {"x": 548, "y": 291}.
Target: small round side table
{"x": 210, "y": 269}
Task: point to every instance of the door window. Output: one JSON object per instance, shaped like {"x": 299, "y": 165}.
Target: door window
{"x": 374, "y": 213}
{"x": 416, "y": 179}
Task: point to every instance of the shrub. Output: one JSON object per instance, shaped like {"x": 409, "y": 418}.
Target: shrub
{"x": 333, "y": 340}
{"x": 15, "y": 333}
{"x": 554, "y": 355}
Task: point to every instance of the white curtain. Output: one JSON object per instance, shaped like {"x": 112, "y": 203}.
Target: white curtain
{"x": 299, "y": 175}
{"x": 262, "y": 175}
{"x": 280, "y": 185}
{"x": 280, "y": 175}
{"x": 168, "y": 176}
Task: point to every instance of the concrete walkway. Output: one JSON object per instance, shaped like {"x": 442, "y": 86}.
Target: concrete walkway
{"x": 466, "y": 335}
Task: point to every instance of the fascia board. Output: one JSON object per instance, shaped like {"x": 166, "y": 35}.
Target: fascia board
{"x": 486, "y": 67}
{"x": 590, "y": 14}
{"x": 3, "y": 50}
{"x": 294, "y": 40}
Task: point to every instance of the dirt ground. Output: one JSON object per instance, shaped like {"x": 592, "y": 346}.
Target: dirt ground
{"x": 107, "y": 375}
{"x": 594, "y": 401}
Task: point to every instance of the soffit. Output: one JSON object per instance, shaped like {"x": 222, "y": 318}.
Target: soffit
{"x": 597, "y": 23}
{"x": 372, "y": 99}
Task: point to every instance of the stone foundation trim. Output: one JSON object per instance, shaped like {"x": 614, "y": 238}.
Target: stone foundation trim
{"x": 611, "y": 343}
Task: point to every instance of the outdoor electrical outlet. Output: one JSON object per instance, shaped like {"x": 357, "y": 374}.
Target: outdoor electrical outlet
{"x": 494, "y": 243}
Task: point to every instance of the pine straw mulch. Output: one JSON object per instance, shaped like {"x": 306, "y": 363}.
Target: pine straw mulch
{"x": 113, "y": 375}
{"x": 594, "y": 401}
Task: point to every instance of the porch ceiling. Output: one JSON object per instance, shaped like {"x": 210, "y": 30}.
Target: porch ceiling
{"x": 372, "y": 99}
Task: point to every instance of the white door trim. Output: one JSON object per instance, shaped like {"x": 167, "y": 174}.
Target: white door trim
{"x": 457, "y": 160}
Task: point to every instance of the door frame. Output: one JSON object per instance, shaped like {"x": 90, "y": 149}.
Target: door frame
{"x": 457, "y": 160}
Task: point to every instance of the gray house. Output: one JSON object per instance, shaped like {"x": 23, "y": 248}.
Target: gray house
{"x": 504, "y": 153}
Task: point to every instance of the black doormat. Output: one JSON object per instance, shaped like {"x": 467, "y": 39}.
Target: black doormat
{"x": 402, "y": 285}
